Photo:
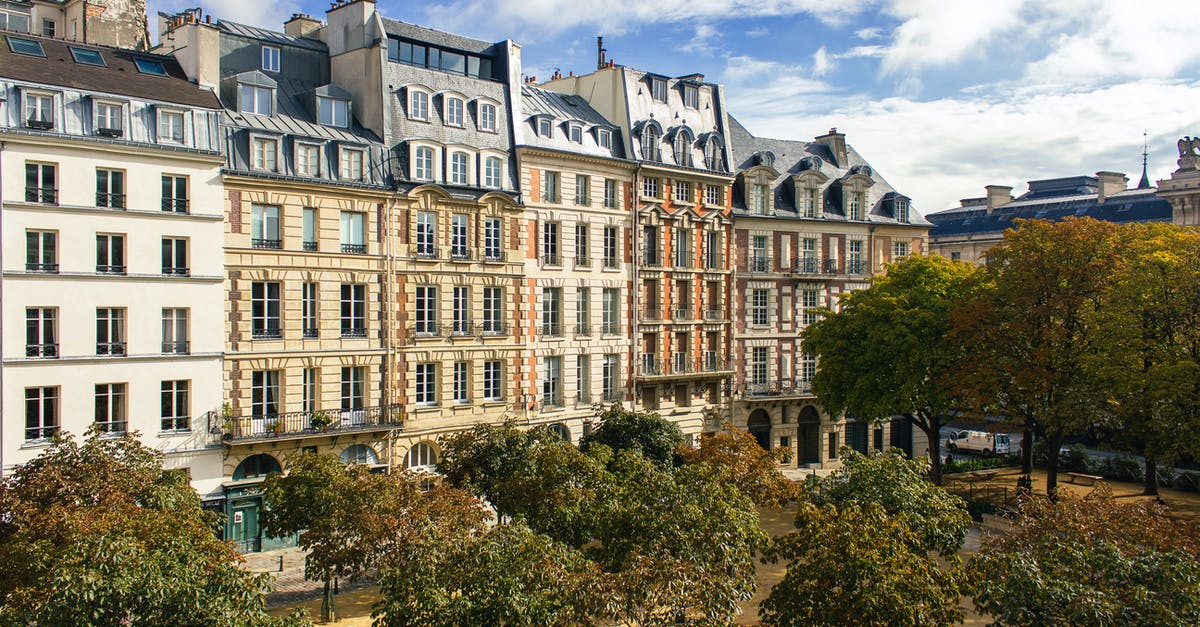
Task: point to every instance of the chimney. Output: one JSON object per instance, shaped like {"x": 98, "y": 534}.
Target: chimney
{"x": 998, "y": 195}
{"x": 601, "y": 62}
{"x": 1110, "y": 183}
{"x": 837, "y": 145}
{"x": 303, "y": 25}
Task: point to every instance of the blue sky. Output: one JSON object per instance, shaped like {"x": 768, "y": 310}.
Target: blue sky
{"x": 941, "y": 96}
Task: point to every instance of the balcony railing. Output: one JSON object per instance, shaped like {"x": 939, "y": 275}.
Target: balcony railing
{"x": 110, "y": 269}
{"x": 309, "y": 246}
{"x": 759, "y": 263}
{"x": 652, "y": 260}
{"x": 175, "y": 347}
{"x": 109, "y": 132}
{"x": 583, "y": 397}
{"x": 39, "y": 124}
{"x": 683, "y": 313}
{"x": 583, "y": 329}
{"x": 856, "y": 266}
{"x": 683, "y": 260}
{"x": 712, "y": 262}
{"x": 41, "y": 350}
{"x": 610, "y": 262}
{"x": 713, "y": 315}
{"x": 759, "y": 388}
{"x": 651, "y": 365}
{"x": 111, "y": 349}
{"x": 551, "y": 259}
{"x": 114, "y": 201}
{"x": 551, "y": 329}
{"x": 266, "y": 243}
{"x": 713, "y": 362}
{"x": 807, "y": 264}
{"x": 424, "y": 251}
{"x": 680, "y": 363}
{"x": 44, "y": 195}
{"x": 354, "y": 332}
{"x": 249, "y": 427}
{"x": 111, "y": 427}
{"x": 173, "y": 271}
{"x": 493, "y": 255}
{"x": 492, "y": 327}
{"x": 175, "y": 205}
{"x": 553, "y": 399}
{"x": 309, "y": 333}
{"x": 425, "y": 329}
{"x": 583, "y": 262}
{"x": 611, "y": 328}
{"x": 43, "y": 268}
{"x": 462, "y": 328}
{"x": 652, "y": 314}
{"x": 460, "y": 253}
{"x": 611, "y": 396}
{"x": 268, "y": 331}
{"x": 354, "y": 249}
{"x": 40, "y": 433}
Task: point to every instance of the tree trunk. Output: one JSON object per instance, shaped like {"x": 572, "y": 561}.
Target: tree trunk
{"x": 931, "y": 427}
{"x": 328, "y": 609}
{"x": 1150, "y": 485}
{"x": 1025, "y": 483}
{"x": 1054, "y": 443}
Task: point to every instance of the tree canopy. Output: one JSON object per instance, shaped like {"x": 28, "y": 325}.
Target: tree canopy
{"x": 100, "y": 533}
{"x": 736, "y": 456}
{"x": 646, "y": 432}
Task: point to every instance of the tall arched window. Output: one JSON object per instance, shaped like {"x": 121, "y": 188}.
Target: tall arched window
{"x": 683, "y": 148}
{"x": 650, "y": 141}
{"x": 714, "y": 155}
{"x": 421, "y": 456}
{"x": 256, "y": 467}
{"x": 359, "y": 454}
{"x": 423, "y": 164}
{"x": 458, "y": 168}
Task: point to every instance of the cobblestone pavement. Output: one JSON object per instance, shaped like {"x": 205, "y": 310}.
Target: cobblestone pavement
{"x": 288, "y": 585}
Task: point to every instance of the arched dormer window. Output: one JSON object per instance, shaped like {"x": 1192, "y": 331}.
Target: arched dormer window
{"x": 683, "y": 147}
{"x": 651, "y": 137}
{"x": 714, "y": 153}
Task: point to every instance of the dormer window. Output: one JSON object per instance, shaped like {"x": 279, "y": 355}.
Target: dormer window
{"x": 758, "y": 199}
{"x": 575, "y": 132}
{"x": 352, "y": 164}
{"x": 418, "y": 105}
{"x": 263, "y": 153}
{"x": 270, "y": 58}
{"x": 902, "y": 210}
{"x": 108, "y": 119}
{"x": 714, "y": 154}
{"x": 255, "y": 99}
{"x": 39, "y": 111}
{"x": 170, "y": 126}
{"x": 487, "y": 117}
{"x": 650, "y": 141}
{"x": 459, "y": 168}
{"x": 683, "y": 148}
{"x": 333, "y": 112}
{"x": 545, "y": 127}
{"x": 691, "y": 96}
{"x": 308, "y": 160}
{"x": 604, "y": 138}
{"x": 453, "y": 113}
{"x": 658, "y": 89}
{"x": 423, "y": 164}
{"x": 857, "y": 202}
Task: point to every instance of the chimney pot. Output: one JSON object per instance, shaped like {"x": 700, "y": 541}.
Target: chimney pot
{"x": 998, "y": 195}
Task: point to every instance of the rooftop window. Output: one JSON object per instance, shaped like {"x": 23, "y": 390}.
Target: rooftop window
{"x": 434, "y": 58}
{"x": 87, "y": 57}
{"x": 150, "y": 66}
{"x": 270, "y": 58}
{"x": 26, "y": 46}
{"x": 333, "y": 112}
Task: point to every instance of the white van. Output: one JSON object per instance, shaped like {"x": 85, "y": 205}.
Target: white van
{"x": 979, "y": 442}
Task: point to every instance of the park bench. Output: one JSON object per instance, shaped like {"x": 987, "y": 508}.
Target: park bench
{"x": 1078, "y": 478}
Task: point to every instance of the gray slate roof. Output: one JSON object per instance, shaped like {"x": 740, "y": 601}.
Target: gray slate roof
{"x": 1132, "y": 205}
{"x": 270, "y": 36}
{"x": 562, "y": 108}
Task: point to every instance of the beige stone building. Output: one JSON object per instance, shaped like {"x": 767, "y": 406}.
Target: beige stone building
{"x": 116, "y": 23}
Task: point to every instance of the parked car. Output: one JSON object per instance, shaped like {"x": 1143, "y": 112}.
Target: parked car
{"x": 979, "y": 442}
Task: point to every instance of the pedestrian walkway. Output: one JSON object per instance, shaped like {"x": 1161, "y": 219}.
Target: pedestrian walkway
{"x": 288, "y": 585}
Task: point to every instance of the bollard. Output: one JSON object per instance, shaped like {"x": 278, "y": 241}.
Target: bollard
{"x": 281, "y": 563}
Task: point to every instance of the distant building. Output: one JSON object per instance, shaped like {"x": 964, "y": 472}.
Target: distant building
{"x": 1182, "y": 190}
{"x": 116, "y": 23}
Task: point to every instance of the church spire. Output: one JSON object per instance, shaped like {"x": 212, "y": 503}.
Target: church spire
{"x": 1145, "y": 182}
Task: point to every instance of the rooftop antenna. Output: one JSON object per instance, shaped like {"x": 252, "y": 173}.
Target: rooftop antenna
{"x": 1145, "y": 182}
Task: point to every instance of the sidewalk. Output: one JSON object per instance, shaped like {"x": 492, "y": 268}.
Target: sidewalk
{"x": 288, "y": 586}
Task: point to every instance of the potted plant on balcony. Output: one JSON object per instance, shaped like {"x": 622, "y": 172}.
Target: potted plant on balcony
{"x": 320, "y": 421}
{"x": 227, "y": 421}
{"x": 275, "y": 427}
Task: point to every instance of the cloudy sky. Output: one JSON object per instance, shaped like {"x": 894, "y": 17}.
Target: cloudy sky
{"x": 942, "y": 97}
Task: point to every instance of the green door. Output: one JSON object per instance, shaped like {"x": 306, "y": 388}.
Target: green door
{"x": 243, "y": 525}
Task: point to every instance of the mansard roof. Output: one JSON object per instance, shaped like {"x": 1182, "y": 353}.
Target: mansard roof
{"x": 562, "y": 109}
{"x": 1051, "y": 199}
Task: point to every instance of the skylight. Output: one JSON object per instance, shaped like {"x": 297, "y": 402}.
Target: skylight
{"x": 26, "y": 46}
{"x": 150, "y": 66}
{"x": 87, "y": 57}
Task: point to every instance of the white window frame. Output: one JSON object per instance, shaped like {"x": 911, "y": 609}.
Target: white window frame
{"x": 425, "y": 310}
{"x": 454, "y": 111}
{"x": 163, "y": 121}
{"x": 712, "y": 195}
{"x": 304, "y": 151}
{"x": 269, "y": 150}
{"x": 493, "y": 177}
{"x": 493, "y": 238}
{"x": 658, "y": 89}
{"x": 351, "y": 170}
{"x": 426, "y": 234}
{"x": 460, "y": 168}
{"x": 40, "y": 106}
{"x": 493, "y": 310}
{"x": 575, "y": 133}
{"x": 462, "y": 385}
{"x": 493, "y": 380}
{"x": 487, "y": 112}
{"x": 175, "y": 406}
{"x": 256, "y": 99}
{"x": 604, "y": 138}
{"x": 333, "y": 106}
{"x": 109, "y": 106}
{"x": 760, "y": 303}
{"x": 426, "y": 384}
{"x": 545, "y": 127}
{"x": 425, "y": 169}
{"x": 418, "y": 103}
{"x": 270, "y": 58}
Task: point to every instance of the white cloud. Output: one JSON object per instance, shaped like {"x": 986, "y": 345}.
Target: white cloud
{"x": 761, "y": 31}
{"x": 935, "y": 32}
{"x": 867, "y": 34}
{"x": 703, "y": 42}
{"x": 822, "y": 63}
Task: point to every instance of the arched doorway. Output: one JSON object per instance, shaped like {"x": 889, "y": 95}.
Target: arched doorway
{"x": 808, "y": 436}
{"x": 244, "y": 504}
{"x": 759, "y": 426}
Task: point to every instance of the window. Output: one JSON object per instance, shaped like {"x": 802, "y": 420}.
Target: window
{"x": 264, "y": 226}
{"x": 460, "y": 310}
{"x": 712, "y": 195}
{"x": 808, "y": 368}
{"x": 423, "y": 164}
{"x": 612, "y": 311}
{"x": 354, "y": 310}
{"x": 264, "y": 394}
{"x": 354, "y": 383}
{"x": 264, "y": 310}
{"x": 458, "y": 237}
{"x": 583, "y": 194}
{"x": 493, "y": 310}
{"x": 650, "y": 147}
{"x": 550, "y": 184}
{"x": 270, "y": 58}
{"x": 25, "y": 46}
{"x": 758, "y": 307}
{"x": 712, "y": 251}
{"x": 575, "y": 134}
{"x": 460, "y": 382}
{"x": 418, "y": 105}
{"x": 583, "y": 315}
{"x": 651, "y": 243}
{"x": 491, "y": 172}
{"x": 421, "y": 457}
{"x": 683, "y": 247}
{"x": 487, "y": 117}
{"x": 810, "y": 300}
{"x": 545, "y": 127}
{"x": 110, "y": 407}
{"x": 691, "y": 96}
{"x": 458, "y": 168}
{"x": 39, "y": 109}
{"x": 610, "y": 247}
{"x": 174, "y": 256}
{"x": 425, "y": 314}
{"x": 352, "y": 165}
{"x": 714, "y": 154}
{"x": 454, "y": 110}
{"x": 309, "y": 314}
{"x": 41, "y": 412}
{"x": 109, "y": 119}
{"x": 426, "y": 384}
{"x": 810, "y": 202}
{"x": 41, "y": 251}
{"x": 263, "y": 153}
{"x": 170, "y": 129}
{"x": 175, "y": 406}
{"x": 902, "y": 210}
{"x": 807, "y": 263}
{"x": 308, "y": 228}
{"x": 49, "y": 27}
{"x": 552, "y": 311}
{"x": 309, "y": 390}
{"x": 650, "y": 187}
{"x": 604, "y": 138}
{"x": 110, "y": 254}
{"x": 174, "y": 193}
{"x": 658, "y": 89}
{"x": 899, "y": 250}
{"x": 18, "y": 22}
{"x": 610, "y": 378}
{"x": 353, "y": 231}
{"x": 583, "y": 379}
{"x": 41, "y": 183}
{"x": 550, "y": 253}
{"x": 683, "y": 149}
{"x": 956, "y": 256}
{"x": 610, "y": 194}
{"x": 857, "y": 201}
{"x": 758, "y": 199}
{"x": 41, "y": 332}
{"x": 758, "y": 361}
{"x": 110, "y": 331}
{"x": 492, "y": 247}
{"x": 110, "y": 188}
{"x": 426, "y": 234}
{"x": 581, "y": 245}
{"x": 759, "y": 262}
{"x": 333, "y": 112}
{"x": 150, "y": 66}
{"x": 683, "y": 191}
{"x": 492, "y": 390}
{"x": 552, "y": 382}
{"x": 308, "y": 160}
{"x": 255, "y": 99}
{"x": 854, "y": 257}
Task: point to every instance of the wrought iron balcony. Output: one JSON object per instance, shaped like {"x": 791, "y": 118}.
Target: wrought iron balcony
{"x": 176, "y": 347}
{"x": 807, "y": 264}
{"x": 713, "y": 362}
{"x": 309, "y": 246}
{"x": 493, "y": 254}
{"x": 266, "y": 243}
{"x": 354, "y": 249}
{"x": 44, "y": 195}
{"x": 109, "y": 132}
{"x": 551, "y": 259}
{"x": 758, "y": 263}
{"x": 583, "y": 262}
{"x": 110, "y": 269}
{"x": 111, "y": 349}
{"x": 268, "y": 331}
{"x": 552, "y": 399}
{"x": 42, "y": 268}
{"x": 651, "y": 365}
{"x": 39, "y": 124}
{"x": 611, "y": 328}
{"x": 856, "y": 266}
{"x": 583, "y": 329}
{"x": 425, "y": 329}
{"x": 460, "y": 253}
{"x": 305, "y": 423}
{"x": 462, "y": 328}
{"x": 651, "y": 259}
{"x": 683, "y": 313}
{"x": 354, "y": 332}
{"x": 40, "y": 433}
{"x": 610, "y": 262}
{"x": 652, "y": 314}
{"x": 173, "y": 271}
{"x": 713, "y": 315}
{"x": 680, "y": 364}
{"x": 49, "y": 351}
{"x": 492, "y": 327}
{"x": 761, "y": 388}
{"x": 111, "y": 427}
{"x": 113, "y": 201}
{"x": 611, "y": 396}
{"x": 424, "y": 251}
{"x": 310, "y": 333}
{"x": 551, "y": 329}
{"x": 175, "y": 205}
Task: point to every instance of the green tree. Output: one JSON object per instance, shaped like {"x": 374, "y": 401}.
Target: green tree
{"x": 886, "y": 352}
{"x": 99, "y": 533}
{"x": 352, "y": 521}
{"x": 1031, "y": 331}
{"x": 938, "y": 519}
{"x": 1090, "y": 561}
{"x": 737, "y": 457}
{"x": 859, "y": 564}
{"x": 655, "y": 437}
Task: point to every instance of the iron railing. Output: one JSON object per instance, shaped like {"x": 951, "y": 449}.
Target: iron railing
{"x": 110, "y": 200}
{"x": 273, "y": 244}
{"x": 110, "y": 269}
{"x": 354, "y": 249}
{"x": 713, "y": 315}
{"x": 44, "y": 195}
{"x": 174, "y": 271}
{"x": 354, "y": 332}
{"x": 41, "y": 350}
{"x": 651, "y": 365}
{"x": 551, "y": 329}
{"x": 759, "y": 263}
{"x": 460, "y": 253}
{"x": 683, "y": 313}
{"x": 610, "y": 262}
{"x": 583, "y": 262}
{"x": 309, "y": 246}
{"x": 40, "y": 433}
{"x": 856, "y": 266}
{"x": 269, "y": 331}
{"x": 425, "y": 329}
{"x": 551, "y": 259}
{"x": 247, "y": 427}
{"x": 112, "y": 349}
{"x": 583, "y": 329}
{"x": 44, "y": 268}
{"x": 310, "y": 333}
{"x": 493, "y": 255}
{"x": 424, "y": 251}
{"x": 492, "y": 327}
{"x": 462, "y": 328}
{"x": 176, "y": 347}
{"x": 175, "y": 205}
{"x": 611, "y": 328}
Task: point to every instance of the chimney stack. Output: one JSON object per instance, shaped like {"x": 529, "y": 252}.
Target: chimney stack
{"x": 302, "y": 25}
{"x": 998, "y": 195}
{"x": 837, "y": 145}
{"x": 1110, "y": 183}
